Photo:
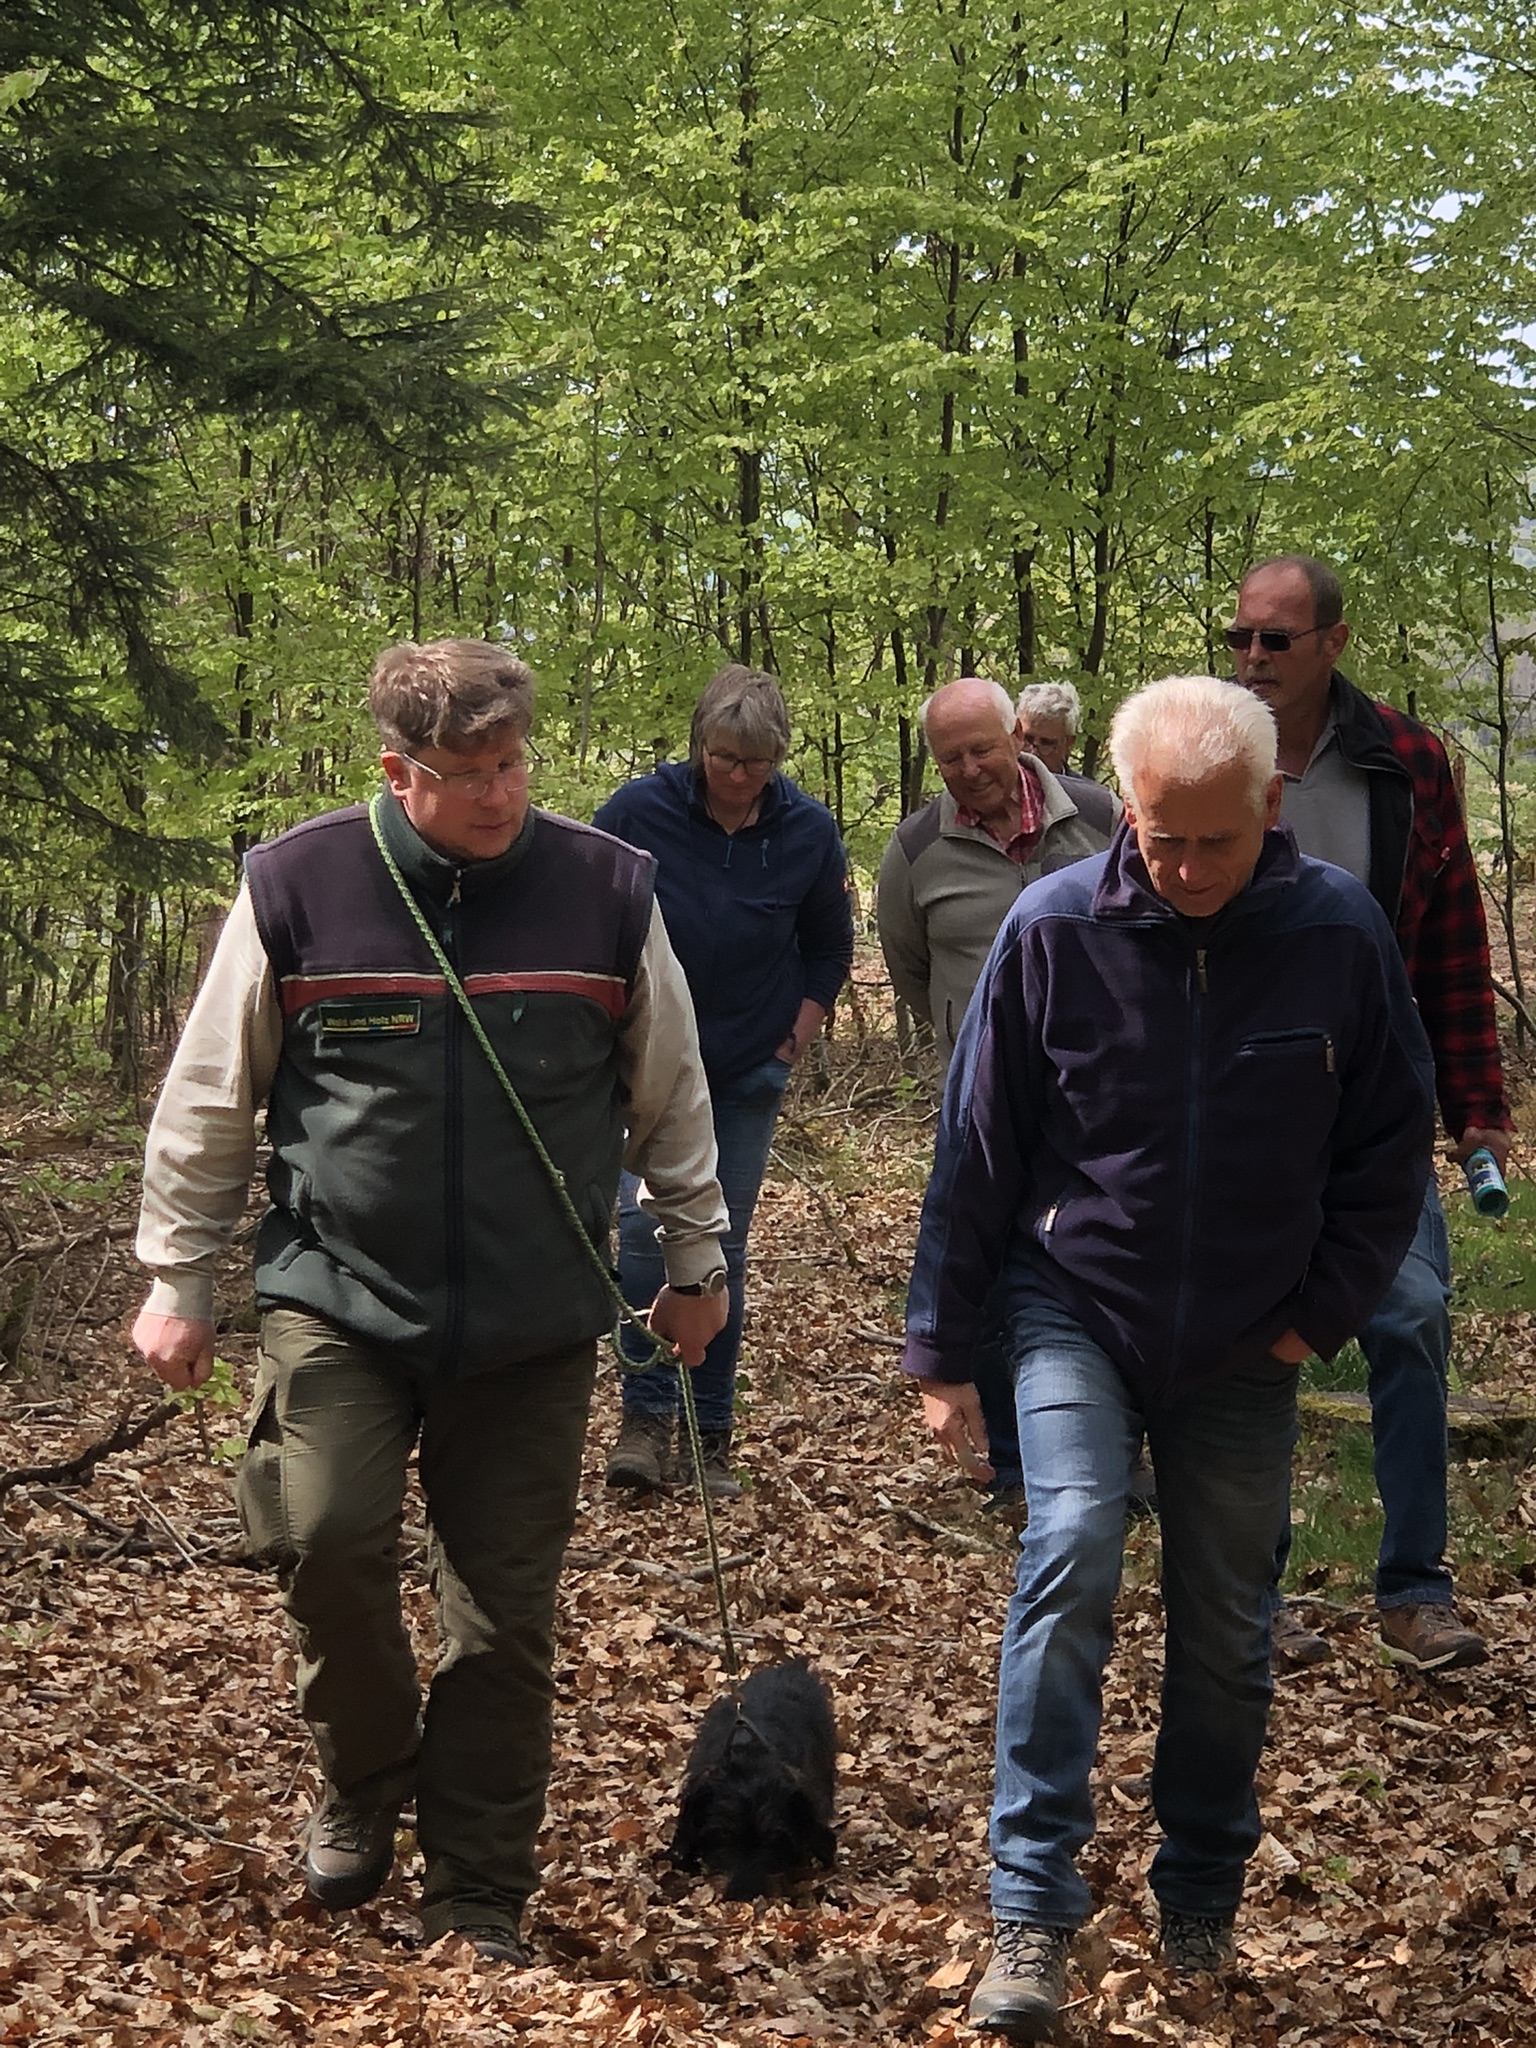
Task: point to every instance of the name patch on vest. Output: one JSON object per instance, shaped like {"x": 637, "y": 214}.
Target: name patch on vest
{"x": 370, "y": 1017}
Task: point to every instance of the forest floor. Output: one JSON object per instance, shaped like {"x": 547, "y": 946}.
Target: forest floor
{"x": 158, "y": 1778}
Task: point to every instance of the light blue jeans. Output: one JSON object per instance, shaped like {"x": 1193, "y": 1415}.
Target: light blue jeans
{"x": 745, "y": 1112}
{"x": 1222, "y": 1456}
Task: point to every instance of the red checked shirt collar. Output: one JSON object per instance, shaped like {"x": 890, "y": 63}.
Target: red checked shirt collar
{"x": 1031, "y": 828}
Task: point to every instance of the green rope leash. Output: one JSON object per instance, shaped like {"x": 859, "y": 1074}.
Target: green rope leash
{"x": 659, "y": 1354}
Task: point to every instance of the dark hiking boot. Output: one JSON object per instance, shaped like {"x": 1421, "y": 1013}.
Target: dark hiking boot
{"x": 1429, "y": 1638}
{"x": 719, "y": 1479}
{"x": 348, "y": 1850}
{"x": 1194, "y": 1944}
{"x": 1021, "y": 1988}
{"x": 641, "y": 1457}
{"x": 1292, "y": 1645}
{"x": 498, "y": 1945}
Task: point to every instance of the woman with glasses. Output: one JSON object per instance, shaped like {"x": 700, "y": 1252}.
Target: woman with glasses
{"x": 752, "y": 882}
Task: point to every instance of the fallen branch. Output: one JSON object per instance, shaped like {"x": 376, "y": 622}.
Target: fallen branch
{"x": 869, "y": 1336}
{"x": 676, "y": 1578}
{"x": 676, "y": 1633}
{"x": 1517, "y": 1006}
{"x": 169, "y": 1812}
{"x": 932, "y": 1528}
{"x": 166, "y": 1524}
{"x": 123, "y": 1436}
{"x": 66, "y": 1240}
{"x": 87, "y": 1515}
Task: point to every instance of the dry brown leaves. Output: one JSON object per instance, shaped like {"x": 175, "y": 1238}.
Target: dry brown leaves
{"x": 149, "y": 1890}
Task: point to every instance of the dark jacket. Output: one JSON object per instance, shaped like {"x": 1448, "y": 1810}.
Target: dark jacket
{"x": 461, "y": 1262}
{"x": 759, "y": 918}
{"x": 1425, "y": 879}
{"x": 1192, "y": 1138}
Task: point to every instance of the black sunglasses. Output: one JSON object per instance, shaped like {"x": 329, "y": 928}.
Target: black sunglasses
{"x": 1273, "y": 639}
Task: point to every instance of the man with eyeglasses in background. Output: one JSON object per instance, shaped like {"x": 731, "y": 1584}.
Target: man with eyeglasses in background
{"x": 423, "y": 1286}
{"x": 1370, "y": 789}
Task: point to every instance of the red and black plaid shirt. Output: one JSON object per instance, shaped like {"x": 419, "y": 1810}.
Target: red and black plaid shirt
{"x": 1444, "y": 936}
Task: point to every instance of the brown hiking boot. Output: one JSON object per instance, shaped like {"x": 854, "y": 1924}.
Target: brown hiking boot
{"x": 1429, "y": 1637}
{"x": 1292, "y": 1645}
{"x": 642, "y": 1455}
{"x": 348, "y": 1850}
{"x": 1021, "y": 1988}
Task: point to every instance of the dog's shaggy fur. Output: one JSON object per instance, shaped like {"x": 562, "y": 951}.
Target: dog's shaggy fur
{"x": 757, "y": 1795}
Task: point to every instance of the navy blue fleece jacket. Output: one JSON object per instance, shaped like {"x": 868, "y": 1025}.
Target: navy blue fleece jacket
{"x": 1192, "y": 1136}
{"x": 759, "y": 918}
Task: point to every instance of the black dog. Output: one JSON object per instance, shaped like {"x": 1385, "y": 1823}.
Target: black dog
{"x": 757, "y": 1794}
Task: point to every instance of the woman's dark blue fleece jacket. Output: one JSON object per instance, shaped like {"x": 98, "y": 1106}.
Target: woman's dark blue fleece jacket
{"x": 759, "y": 918}
{"x": 1193, "y": 1136}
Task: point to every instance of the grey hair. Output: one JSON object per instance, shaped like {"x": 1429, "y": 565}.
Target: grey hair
{"x": 449, "y": 693}
{"x": 1193, "y": 727}
{"x": 1000, "y": 697}
{"x": 1051, "y": 700}
{"x": 744, "y": 706}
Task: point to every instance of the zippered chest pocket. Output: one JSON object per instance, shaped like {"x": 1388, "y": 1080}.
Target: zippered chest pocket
{"x": 1295, "y": 1052}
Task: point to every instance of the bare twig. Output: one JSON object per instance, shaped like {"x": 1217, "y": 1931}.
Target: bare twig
{"x": 932, "y": 1528}
{"x": 676, "y": 1578}
{"x": 89, "y": 1515}
{"x": 80, "y": 1308}
{"x": 169, "y": 1812}
{"x": 124, "y": 1435}
{"x": 676, "y": 1633}
{"x": 869, "y": 1336}
{"x": 828, "y": 1215}
{"x": 69, "y": 1240}
{"x": 1517, "y": 1006}
{"x": 166, "y": 1523}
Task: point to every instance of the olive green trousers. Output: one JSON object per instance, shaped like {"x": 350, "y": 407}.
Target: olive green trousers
{"x": 322, "y": 1488}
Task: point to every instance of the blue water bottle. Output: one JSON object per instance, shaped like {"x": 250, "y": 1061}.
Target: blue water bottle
{"x": 1490, "y": 1197}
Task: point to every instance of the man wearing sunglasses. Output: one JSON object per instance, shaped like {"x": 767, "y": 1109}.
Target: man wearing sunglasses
{"x": 1370, "y": 789}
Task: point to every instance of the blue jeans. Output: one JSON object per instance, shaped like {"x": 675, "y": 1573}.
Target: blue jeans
{"x": 994, "y": 1389}
{"x": 1223, "y": 1457}
{"x": 1407, "y": 1345}
{"x": 745, "y": 1112}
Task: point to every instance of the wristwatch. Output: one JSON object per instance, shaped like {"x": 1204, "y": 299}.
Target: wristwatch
{"x": 717, "y": 1283}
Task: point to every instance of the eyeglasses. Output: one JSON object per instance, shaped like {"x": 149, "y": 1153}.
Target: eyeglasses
{"x": 1273, "y": 639}
{"x": 755, "y": 764}
{"x": 473, "y": 784}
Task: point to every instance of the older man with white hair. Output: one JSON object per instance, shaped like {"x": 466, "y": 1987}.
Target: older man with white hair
{"x": 1185, "y": 1137}
{"x": 952, "y": 870}
{"x": 1049, "y": 715}
{"x": 951, "y": 873}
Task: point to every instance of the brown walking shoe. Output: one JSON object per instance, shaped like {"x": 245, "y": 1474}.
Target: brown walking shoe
{"x": 1429, "y": 1637}
{"x": 349, "y": 1847}
{"x": 1021, "y": 1989}
{"x": 642, "y": 1456}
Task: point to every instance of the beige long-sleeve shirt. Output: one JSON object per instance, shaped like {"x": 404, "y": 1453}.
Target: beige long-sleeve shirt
{"x": 202, "y": 1139}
